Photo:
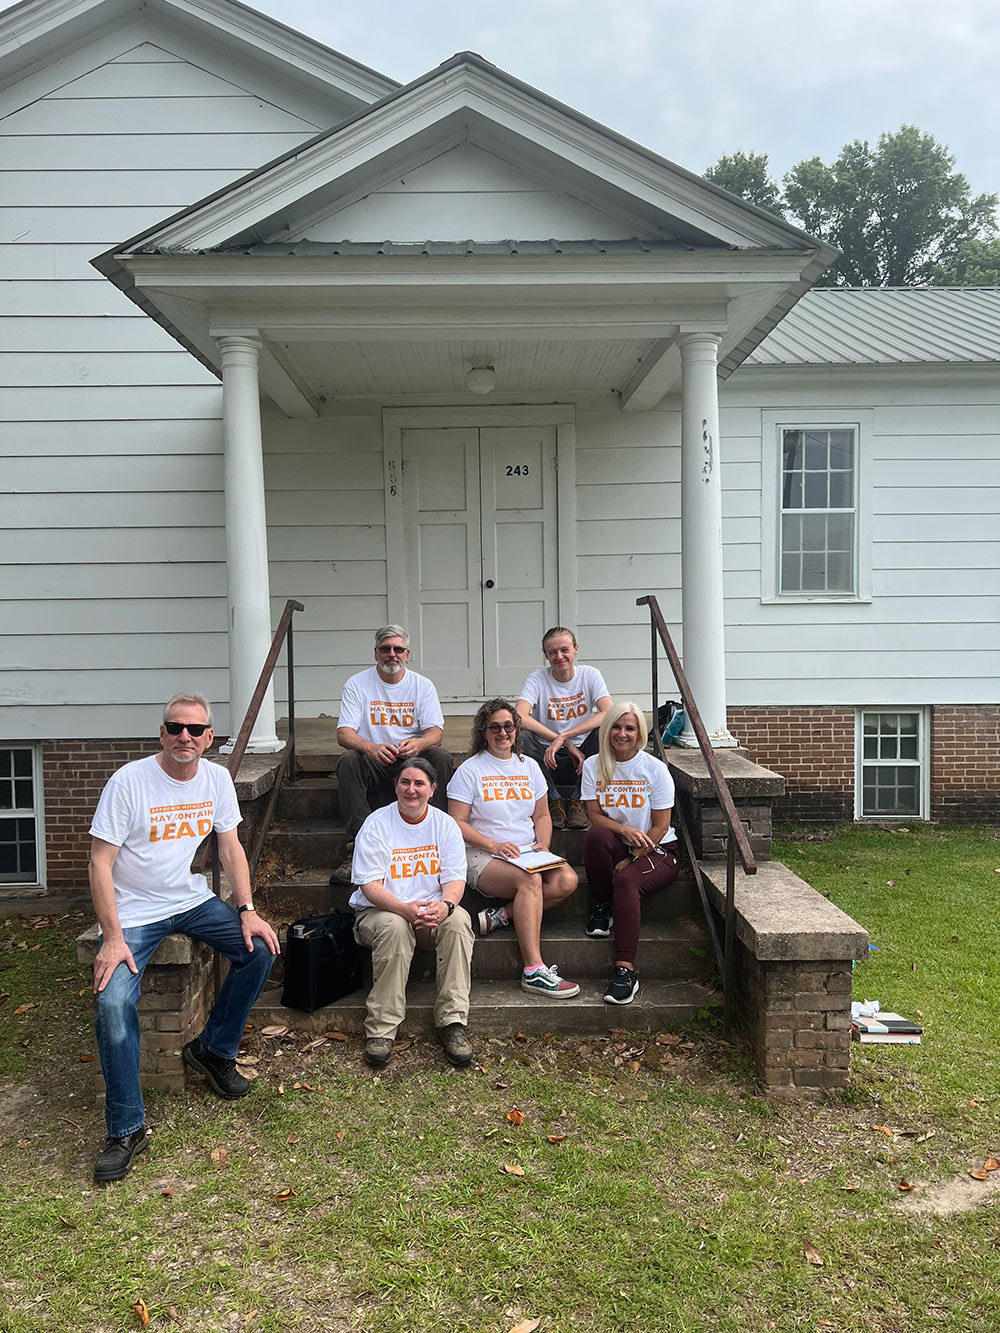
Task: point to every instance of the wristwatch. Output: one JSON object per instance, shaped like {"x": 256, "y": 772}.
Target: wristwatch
{"x": 451, "y": 907}
{"x": 246, "y": 907}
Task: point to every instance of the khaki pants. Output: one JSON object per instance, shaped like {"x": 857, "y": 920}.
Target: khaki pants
{"x": 392, "y": 941}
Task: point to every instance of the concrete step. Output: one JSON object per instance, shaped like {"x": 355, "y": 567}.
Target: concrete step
{"x": 307, "y": 892}
{"x": 502, "y": 1009}
{"x": 674, "y": 951}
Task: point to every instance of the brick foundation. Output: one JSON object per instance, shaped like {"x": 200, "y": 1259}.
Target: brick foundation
{"x": 813, "y": 749}
{"x": 965, "y": 774}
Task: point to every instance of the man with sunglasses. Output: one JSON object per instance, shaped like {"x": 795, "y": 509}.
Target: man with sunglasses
{"x": 388, "y": 714}
{"x": 150, "y": 820}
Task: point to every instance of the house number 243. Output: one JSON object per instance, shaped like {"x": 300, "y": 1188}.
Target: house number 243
{"x": 520, "y": 470}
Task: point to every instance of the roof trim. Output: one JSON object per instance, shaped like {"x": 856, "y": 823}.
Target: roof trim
{"x": 34, "y": 31}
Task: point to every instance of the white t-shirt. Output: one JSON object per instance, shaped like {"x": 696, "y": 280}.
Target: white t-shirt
{"x": 639, "y": 786}
{"x": 559, "y": 704}
{"x": 158, "y": 823}
{"x": 501, "y": 795}
{"x": 387, "y": 714}
{"x": 412, "y": 860}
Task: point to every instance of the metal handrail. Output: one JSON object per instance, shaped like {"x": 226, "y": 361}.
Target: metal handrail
{"x": 282, "y": 635}
{"x": 736, "y": 840}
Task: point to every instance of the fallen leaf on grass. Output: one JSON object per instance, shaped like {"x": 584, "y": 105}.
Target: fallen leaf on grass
{"x": 26, "y": 1008}
{"x": 556, "y": 1138}
{"x": 281, "y": 1089}
{"x": 512, "y": 1169}
{"x": 991, "y": 1164}
{"x": 927, "y": 1134}
{"x": 273, "y": 1030}
{"x": 284, "y": 1196}
{"x": 168, "y": 1193}
{"x": 86, "y": 1059}
{"x": 220, "y": 1156}
{"x": 248, "y": 1319}
{"x": 294, "y": 1138}
{"x": 979, "y": 1175}
{"x": 84, "y": 990}
{"x": 174, "y": 1317}
{"x": 312, "y": 1045}
{"x": 67, "y": 1223}
{"x": 520, "y": 1036}
{"x": 336, "y": 1036}
{"x": 812, "y": 1254}
{"x": 526, "y": 1325}
{"x": 884, "y": 1129}
{"x": 515, "y": 1116}
{"x": 248, "y": 1059}
{"x": 341, "y": 1134}
{"x": 847, "y": 1189}
{"x": 905, "y": 1186}
{"x": 667, "y": 1039}
{"x": 142, "y": 1311}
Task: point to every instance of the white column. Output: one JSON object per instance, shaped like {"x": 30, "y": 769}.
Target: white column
{"x": 246, "y": 539}
{"x": 701, "y": 537}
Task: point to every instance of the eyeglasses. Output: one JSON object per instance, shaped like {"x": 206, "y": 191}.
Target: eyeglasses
{"x": 391, "y": 648}
{"x": 497, "y": 727}
{"x": 193, "y": 729}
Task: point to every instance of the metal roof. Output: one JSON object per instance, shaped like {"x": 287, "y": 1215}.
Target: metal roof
{"x": 841, "y": 326}
{"x": 550, "y": 247}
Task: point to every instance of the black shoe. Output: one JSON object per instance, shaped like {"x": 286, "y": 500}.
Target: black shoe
{"x": 342, "y": 874}
{"x": 623, "y": 987}
{"x": 115, "y": 1160}
{"x": 455, "y": 1040}
{"x": 600, "y": 921}
{"x": 223, "y": 1077}
{"x": 378, "y": 1051}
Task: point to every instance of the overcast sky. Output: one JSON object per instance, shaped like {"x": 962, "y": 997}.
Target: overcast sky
{"x": 693, "y": 79}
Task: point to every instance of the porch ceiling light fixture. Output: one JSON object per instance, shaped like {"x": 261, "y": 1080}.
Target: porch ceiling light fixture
{"x": 481, "y": 379}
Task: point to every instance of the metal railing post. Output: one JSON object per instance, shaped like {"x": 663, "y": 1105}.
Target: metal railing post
{"x": 290, "y": 666}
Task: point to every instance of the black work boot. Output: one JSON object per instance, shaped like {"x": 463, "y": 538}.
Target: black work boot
{"x": 115, "y": 1160}
{"x": 223, "y": 1077}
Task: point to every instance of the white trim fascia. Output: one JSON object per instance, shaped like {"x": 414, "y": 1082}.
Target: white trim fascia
{"x": 24, "y": 31}
{"x": 463, "y": 90}
{"x": 772, "y": 421}
{"x": 566, "y": 510}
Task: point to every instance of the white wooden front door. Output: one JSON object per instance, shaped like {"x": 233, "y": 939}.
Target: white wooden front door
{"x": 480, "y": 553}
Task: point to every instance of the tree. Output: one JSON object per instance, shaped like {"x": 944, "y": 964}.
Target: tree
{"x": 747, "y": 175}
{"x": 896, "y": 211}
{"x": 899, "y": 212}
{"x": 974, "y": 264}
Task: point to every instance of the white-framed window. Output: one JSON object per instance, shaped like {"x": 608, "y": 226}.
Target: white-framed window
{"x": 892, "y": 768}
{"x": 814, "y": 521}
{"x": 22, "y": 858}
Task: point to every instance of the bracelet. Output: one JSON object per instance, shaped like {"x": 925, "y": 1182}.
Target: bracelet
{"x": 246, "y": 907}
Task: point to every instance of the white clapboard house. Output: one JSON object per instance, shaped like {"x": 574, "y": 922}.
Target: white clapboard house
{"x": 454, "y": 355}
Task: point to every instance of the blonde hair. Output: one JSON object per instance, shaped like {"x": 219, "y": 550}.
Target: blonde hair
{"x": 606, "y": 761}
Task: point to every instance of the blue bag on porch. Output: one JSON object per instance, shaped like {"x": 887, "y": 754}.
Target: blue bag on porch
{"x": 670, "y": 718}
{"x": 322, "y": 962}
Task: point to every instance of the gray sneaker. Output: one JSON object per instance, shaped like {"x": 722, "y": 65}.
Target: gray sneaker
{"x": 454, "y": 1038}
{"x": 491, "y": 919}
{"x": 378, "y": 1051}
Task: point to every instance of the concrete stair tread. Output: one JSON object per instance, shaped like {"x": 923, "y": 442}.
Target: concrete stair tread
{"x": 501, "y": 1008}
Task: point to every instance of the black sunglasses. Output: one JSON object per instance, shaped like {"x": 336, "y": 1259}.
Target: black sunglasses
{"x": 193, "y": 729}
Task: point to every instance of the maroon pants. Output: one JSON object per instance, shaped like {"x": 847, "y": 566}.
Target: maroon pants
{"x": 602, "y": 850}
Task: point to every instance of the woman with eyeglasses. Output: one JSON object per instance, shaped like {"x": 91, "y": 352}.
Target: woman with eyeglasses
{"x": 630, "y": 851}
{"x": 500, "y": 800}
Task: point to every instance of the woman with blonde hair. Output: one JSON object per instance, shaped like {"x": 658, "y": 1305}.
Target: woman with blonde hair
{"x": 630, "y": 852}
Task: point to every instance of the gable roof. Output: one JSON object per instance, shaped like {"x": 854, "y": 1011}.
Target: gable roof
{"x": 35, "y": 32}
{"x": 886, "y": 326}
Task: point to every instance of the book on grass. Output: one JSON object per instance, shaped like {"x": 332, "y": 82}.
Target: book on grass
{"x": 533, "y": 861}
{"x": 887, "y": 1029}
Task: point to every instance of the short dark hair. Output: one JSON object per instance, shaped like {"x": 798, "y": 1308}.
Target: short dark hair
{"x": 422, "y": 765}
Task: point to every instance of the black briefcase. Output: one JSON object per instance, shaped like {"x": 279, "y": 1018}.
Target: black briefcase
{"x": 322, "y": 962}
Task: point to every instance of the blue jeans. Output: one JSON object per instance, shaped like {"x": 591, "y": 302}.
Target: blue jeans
{"x": 117, "y": 1021}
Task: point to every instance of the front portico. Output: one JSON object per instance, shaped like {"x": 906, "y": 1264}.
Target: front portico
{"x": 657, "y": 285}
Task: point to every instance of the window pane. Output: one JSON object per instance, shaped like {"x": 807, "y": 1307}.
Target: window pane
{"x": 816, "y": 490}
{"x": 841, "y": 490}
{"x": 791, "y": 577}
{"x": 908, "y": 724}
{"x": 22, "y": 794}
{"x": 888, "y": 748}
{"x": 840, "y": 532}
{"x": 22, "y": 763}
{"x": 839, "y": 575}
{"x": 814, "y": 572}
{"x": 814, "y": 532}
{"x": 6, "y": 794}
{"x": 842, "y": 449}
{"x": 816, "y": 451}
{"x": 907, "y": 747}
{"x": 792, "y": 498}
{"x": 792, "y": 449}
{"x": 871, "y": 747}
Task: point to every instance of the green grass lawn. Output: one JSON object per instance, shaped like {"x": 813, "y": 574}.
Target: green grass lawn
{"x": 673, "y": 1197}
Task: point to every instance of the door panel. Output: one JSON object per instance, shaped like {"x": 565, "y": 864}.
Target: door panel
{"x": 479, "y": 507}
{"x": 443, "y": 557}
{"x": 518, "y": 466}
